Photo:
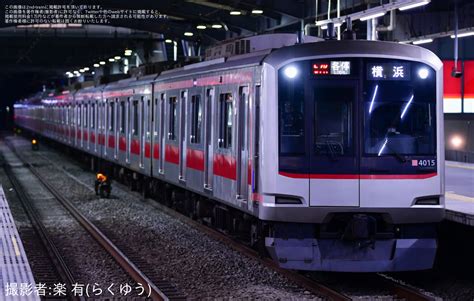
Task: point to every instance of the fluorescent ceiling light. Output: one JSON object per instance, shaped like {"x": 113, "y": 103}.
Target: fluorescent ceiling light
{"x": 81, "y": 70}
{"x": 188, "y": 34}
{"x": 235, "y": 13}
{"x": 86, "y": 68}
{"x": 117, "y": 57}
{"x": 410, "y": 6}
{"x": 96, "y": 65}
{"x": 201, "y": 27}
{"x": 424, "y": 41}
{"x": 373, "y": 16}
{"x": 216, "y": 26}
{"x": 464, "y": 34}
{"x": 257, "y": 11}
{"x": 169, "y": 41}
{"x": 404, "y": 42}
{"x": 102, "y": 62}
{"x": 111, "y": 59}
{"x": 325, "y": 26}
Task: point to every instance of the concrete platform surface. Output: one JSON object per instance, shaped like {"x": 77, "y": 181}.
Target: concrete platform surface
{"x": 16, "y": 278}
{"x": 460, "y": 192}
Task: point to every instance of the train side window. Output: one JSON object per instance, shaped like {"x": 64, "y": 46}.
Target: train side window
{"x": 225, "y": 120}
{"x": 79, "y": 115}
{"x": 135, "y": 117}
{"x": 172, "y": 118}
{"x": 85, "y": 115}
{"x": 112, "y": 116}
{"x": 122, "y": 117}
{"x": 196, "y": 119}
{"x": 92, "y": 119}
{"x": 148, "y": 114}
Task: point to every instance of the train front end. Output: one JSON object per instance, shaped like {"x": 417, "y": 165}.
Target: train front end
{"x": 355, "y": 130}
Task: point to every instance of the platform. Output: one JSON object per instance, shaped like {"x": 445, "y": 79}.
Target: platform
{"x": 16, "y": 278}
{"x": 460, "y": 192}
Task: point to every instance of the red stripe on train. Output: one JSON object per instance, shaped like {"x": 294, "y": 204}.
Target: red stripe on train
{"x": 147, "y": 149}
{"x": 122, "y": 143}
{"x": 172, "y": 154}
{"x": 111, "y": 142}
{"x": 156, "y": 151}
{"x": 195, "y": 159}
{"x": 225, "y": 166}
{"x": 355, "y": 177}
{"x": 135, "y": 147}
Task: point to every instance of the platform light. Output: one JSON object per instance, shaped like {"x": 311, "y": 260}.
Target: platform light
{"x": 325, "y": 26}
{"x": 257, "y": 11}
{"x": 96, "y": 65}
{"x": 464, "y": 34}
{"x": 235, "y": 12}
{"x": 373, "y": 16}
{"x": 117, "y": 57}
{"x": 423, "y": 41}
{"x": 86, "y": 68}
{"x": 457, "y": 141}
{"x": 111, "y": 60}
{"x": 201, "y": 26}
{"x": 410, "y": 6}
{"x": 423, "y": 73}
{"x": 102, "y": 63}
{"x": 188, "y": 34}
{"x": 217, "y": 26}
{"x": 290, "y": 72}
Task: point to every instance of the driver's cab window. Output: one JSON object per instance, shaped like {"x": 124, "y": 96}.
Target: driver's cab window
{"x": 333, "y": 133}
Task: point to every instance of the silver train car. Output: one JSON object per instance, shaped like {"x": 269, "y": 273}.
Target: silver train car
{"x": 327, "y": 155}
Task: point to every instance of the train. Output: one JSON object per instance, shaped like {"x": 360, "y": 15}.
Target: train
{"x": 326, "y": 155}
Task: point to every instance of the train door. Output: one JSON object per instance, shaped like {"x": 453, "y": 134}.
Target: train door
{"x": 182, "y": 135}
{"x": 128, "y": 138}
{"x": 242, "y": 143}
{"x": 333, "y": 152}
{"x": 208, "y": 134}
{"x": 162, "y": 137}
{"x": 142, "y": 133}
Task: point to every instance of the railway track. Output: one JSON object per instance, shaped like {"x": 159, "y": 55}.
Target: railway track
{"x": 398, "y": 290}
{"x": 49, "y": 266}
{"x": 163, "y": 290}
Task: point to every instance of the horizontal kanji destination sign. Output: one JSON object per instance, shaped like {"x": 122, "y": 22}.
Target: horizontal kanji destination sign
{"x": 388, "y": 71}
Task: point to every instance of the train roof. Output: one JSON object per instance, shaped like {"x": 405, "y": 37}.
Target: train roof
{"x": 348, "y": 48}
{"x": 239, "y": 61}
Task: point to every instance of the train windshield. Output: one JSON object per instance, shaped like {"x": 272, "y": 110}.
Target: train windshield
{"x": 399, "y": 120}
{"x": 334, "y": 112}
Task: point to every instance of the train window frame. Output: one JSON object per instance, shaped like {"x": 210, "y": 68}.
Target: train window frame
{"x": 92, "y": 116}
{"x": 226, "y": 108}
{"x": 135, "y": 119}
{"x": 85, "y": 115}
{"x": 123, "y": 116}
{"x": 79, "y": 115}
{"x": 196, "y": 119}
{"x": 172, "y": 117}
{"x": 111, "y": 119}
